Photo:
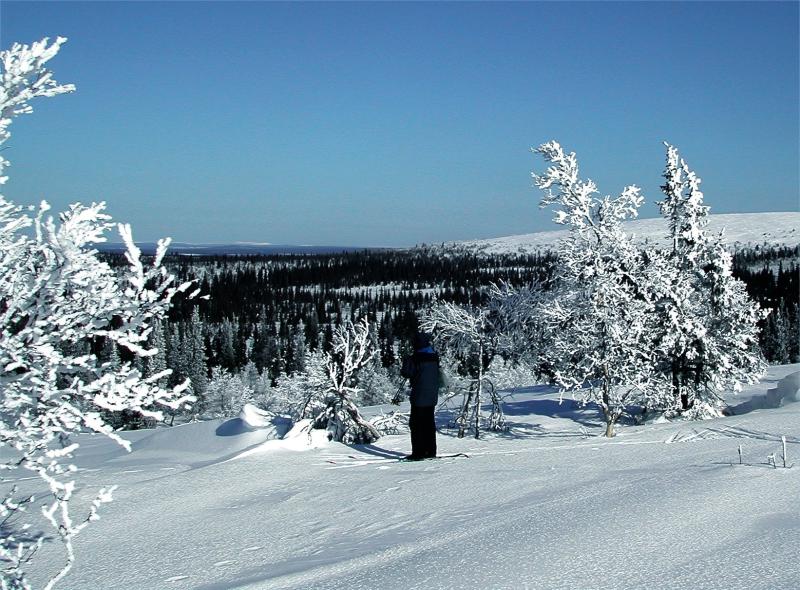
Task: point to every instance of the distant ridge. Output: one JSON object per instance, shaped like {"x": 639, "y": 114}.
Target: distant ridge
{"x": 741, "y": 230}
{"x": 233, "y": 249}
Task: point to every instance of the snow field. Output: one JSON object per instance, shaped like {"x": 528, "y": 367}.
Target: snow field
{"x": 741, "y": 229}
{"x": 544, "y": 507}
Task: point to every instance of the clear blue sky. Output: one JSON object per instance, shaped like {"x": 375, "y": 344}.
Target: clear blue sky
{"x": 389, "y": 124}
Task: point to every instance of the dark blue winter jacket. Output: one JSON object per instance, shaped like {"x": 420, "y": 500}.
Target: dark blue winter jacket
{"x": 422, "y": 369}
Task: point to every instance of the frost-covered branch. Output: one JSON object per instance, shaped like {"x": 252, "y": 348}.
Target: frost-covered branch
{"x": 57, "y": 301}
{"x": 25, "y": 77}
{"x": 470, "y": 337}
{"x": 352, "y": 350}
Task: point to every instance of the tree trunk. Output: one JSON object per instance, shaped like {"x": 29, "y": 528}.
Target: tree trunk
{"x": 345, "y": 423}
{"x": 607, "y": 413}
{"x": 676, "y": 386}
{"x": 369, "y": 433}
{"x": 497, "y": 420}
{"x": 679, "y": 374}
{"x": 463, "y": 419}
{"x": 479, "y": 395}
{"x": 609, "y": 426}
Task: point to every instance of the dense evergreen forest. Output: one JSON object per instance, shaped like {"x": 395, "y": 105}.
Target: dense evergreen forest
{"x": 270, "y": 309}
{"x": 772, "y": 276}
{"x": 267, "y": 312}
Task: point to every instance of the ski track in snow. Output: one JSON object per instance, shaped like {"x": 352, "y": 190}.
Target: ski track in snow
{"x": 696, "y": 434}
{"x": 540, "y": 512}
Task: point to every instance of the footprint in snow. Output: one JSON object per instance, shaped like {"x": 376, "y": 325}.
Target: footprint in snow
{"x": 176, "y": 578}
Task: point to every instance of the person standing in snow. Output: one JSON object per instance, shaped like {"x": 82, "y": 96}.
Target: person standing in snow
{"x": 422, "y": 370}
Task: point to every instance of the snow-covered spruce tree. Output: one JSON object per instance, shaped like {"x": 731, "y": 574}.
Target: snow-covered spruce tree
{"x": 259, "y": 383}
{"x": 195, "y": 350}
{"x": 707, "y": 334}
{"x": 600, "y": 317}
{"x": 57, "y": 296}
{"x": 352, "y": 350}
{"x": 776, "y": 336}
{"x": 468, "y": 335}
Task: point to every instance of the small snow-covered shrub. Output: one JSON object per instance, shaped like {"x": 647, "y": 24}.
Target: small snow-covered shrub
{"x": 391, "y": 423}
{"x": 469, "y": 338}
{"x": 226, "y": 394}
{"x": 301, "y": 395}
{"x": 352, "y": 350}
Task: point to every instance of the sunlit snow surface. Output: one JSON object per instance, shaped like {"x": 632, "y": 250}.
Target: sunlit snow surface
{"x": 741, "y": 229}
{"x": 548, "y": 505}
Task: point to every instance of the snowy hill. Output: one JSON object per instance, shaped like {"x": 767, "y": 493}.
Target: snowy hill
{"x": 549, "y": 505}
{"x": 741, "y": 229}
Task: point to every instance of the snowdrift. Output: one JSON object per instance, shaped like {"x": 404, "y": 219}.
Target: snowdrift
{"x": 200, "y": 443}
{"x": 786, "y": 391}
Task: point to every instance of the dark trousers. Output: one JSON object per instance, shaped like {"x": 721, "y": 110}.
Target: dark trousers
{"x": 423, "y": 431}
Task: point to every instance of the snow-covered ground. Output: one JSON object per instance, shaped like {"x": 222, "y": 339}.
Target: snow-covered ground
{"x": 550, "y": 504}
{"x": 741, "y": 229}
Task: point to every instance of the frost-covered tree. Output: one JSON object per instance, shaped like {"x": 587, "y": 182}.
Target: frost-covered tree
{"x": 468, "y": 335}
{"x": 258, "y": 382}
{"x": 777, "y": 336}
{"x": 195, "y": 350}
{"x": 352, "y": 349}
{"x": 600, "y": 317}
{"x": 299, "y": 349}
{"x": 156, "y": 363}
{"x": 226, "y": 394}
{"x": 302, "y": 395}
{"x": 521, "y": 335}
{"x": 56, "y": 296}
{"x": 707, "y": 333}
{"x": 227, "y": 357}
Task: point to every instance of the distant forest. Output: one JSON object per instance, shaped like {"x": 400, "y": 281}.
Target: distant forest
{"x": 270, "y": 310}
